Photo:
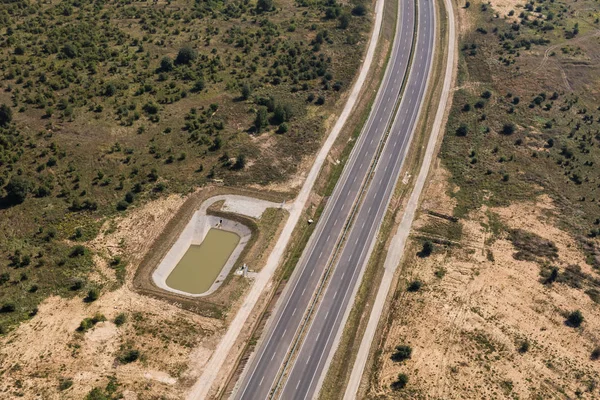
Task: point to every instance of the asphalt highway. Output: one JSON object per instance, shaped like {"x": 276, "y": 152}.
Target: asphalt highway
{"x": 262, "y": 370}
{"x": 311, "y": 363}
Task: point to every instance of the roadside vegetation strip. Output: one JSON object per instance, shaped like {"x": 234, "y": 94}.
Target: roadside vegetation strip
{"x": 323, "y": 187}
{"x": 203, "y": 386}
{"x": 399, "y": 241}
{"x": 348, "y": 225}
{"x": 343, "y": 359}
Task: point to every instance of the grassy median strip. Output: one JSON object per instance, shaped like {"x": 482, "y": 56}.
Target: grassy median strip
{"x": 341, "y": 366}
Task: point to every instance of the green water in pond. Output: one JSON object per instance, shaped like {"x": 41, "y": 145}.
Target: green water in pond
{"x": 201, "y": 264}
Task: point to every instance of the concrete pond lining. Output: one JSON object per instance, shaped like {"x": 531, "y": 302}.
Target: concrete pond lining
{"x": 193, "y": 234}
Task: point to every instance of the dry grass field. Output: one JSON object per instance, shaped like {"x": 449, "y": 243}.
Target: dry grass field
{"x": 498, "y": 294}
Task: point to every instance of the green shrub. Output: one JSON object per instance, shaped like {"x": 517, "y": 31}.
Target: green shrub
{"x": 5, "y": 115}
{"x": 426, "y": 250}
{"x": 359, "y": 10}
{"x": 185, "y": 56}
{"x": 120, "y": 319}
{"x": 77, "y": 251}
{"x": 17, "y": 189}
{"x": 524, "y": 347}
{"x": 574, "y": 319}
{"x": 8, "y": 307}
{"x": 92, "y": 295}
{"x": 129, "y": 356}
{"x": 414, "y": 286}
{"x": 65, "y": 383}
{"x": 400, "y": 382}
{"x": 402, "y": 353}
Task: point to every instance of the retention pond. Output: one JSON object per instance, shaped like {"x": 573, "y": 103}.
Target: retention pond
{"x": 201, "y": 264}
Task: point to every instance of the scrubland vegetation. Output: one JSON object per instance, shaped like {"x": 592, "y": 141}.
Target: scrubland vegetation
{"x": 106, "y": 105}
{"x": 509, "y": 257}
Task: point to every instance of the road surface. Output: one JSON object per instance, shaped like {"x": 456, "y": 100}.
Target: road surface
{"x": 261, "y": 372}
{"x": 310, "y": 365}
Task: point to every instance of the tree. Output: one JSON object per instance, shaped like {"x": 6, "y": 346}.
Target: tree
{"x": 166, "y": 64}
{"x": 8, "y": 308}
{"x": 400, "y": 382}
{"x": 279, "y": 115}
{"x": 261, "y": 120}
{"x": 414, "y": 286}
{"x": 246, "y": 92}
{"x": 17, "y": 189}
{"x": 5, "y": 115}
{"x": 508, "y": 129}
{"x": 92, "y": 295}
{"x": 426, "y": 250}
{"x": 129, "y": 356}
{"x": 403, "y": 352}
{"x": 283, "y": 128}
{"x": 185, "y": 56}
{"x": 120, "y": 319}
{"x": 77, "y": 251}
{"x": 344, "y": 21}
{"x": 574, "y": 319}
{"x": 359, "y": 10}
{"x": 264, "y": 5}
{"x": 462, "y": 130}
{"x": 199, "y": 85}
{"x": 240, "y": 162}
{"x": 552, "y": 277}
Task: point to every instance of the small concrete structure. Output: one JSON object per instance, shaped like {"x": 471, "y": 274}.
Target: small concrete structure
{"x": 193, "y": 234}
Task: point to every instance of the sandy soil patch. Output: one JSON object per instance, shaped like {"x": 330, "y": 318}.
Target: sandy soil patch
{"x": 133, "y": 234}
{"x": 48, "y": 349}
{"x": 173, "y": 344}
{"x": 478, "y": 305}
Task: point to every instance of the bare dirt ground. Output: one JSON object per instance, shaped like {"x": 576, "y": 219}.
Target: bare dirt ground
{"x": 48, "y": 349}
{"x": 477, "y": 307}
{"x": 47, "y": 357}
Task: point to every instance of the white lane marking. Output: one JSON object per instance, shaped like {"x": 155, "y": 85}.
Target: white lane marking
{"x": 260, "y": 383}
{"x": 311, "y": 272}
{"x": 303, "y": 290}
{"x": 294, "y": 312}
{"x": 273, "y": 355}
{"x": 283, "y": 334}
{"x": 307, "y": 360}
{"x": 335, "y": 294}
{"x": 321, "y": 253}
{"x": 335, "y": 223}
